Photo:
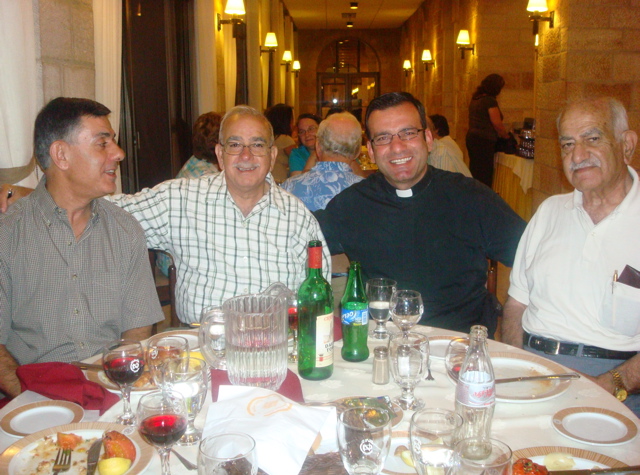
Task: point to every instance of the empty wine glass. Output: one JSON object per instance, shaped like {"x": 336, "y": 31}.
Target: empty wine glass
{"x": 409, "y": 358}
{"x": 189, "y": 377}
{"x": 454, "y": 356}
{"x": 162, "y": 417}
{"x": 161, "y": 349}
{"x": 379, "y": 292}
{"x": 228, "y": 453}
{"x": 406, "y": 309}
{"x": 211, "y": 337}
{"x": 123, "y": 363}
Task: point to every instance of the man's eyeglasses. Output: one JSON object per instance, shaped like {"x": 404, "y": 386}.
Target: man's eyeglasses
{"x": 406, "y": 134}
{"x": 257, "y": 149}
{"x": 311, "y": 130}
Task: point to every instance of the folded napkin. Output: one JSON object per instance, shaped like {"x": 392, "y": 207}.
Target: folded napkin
{"x": 65, "y": 382}
{"x": 283, "y": 430}
{"x": 290, "y": 387}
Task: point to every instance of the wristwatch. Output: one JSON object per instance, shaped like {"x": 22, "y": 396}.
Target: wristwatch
{"x": 620, "y": 392}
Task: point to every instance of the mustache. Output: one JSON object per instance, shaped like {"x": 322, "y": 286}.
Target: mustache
{"x": 590, "y": 162}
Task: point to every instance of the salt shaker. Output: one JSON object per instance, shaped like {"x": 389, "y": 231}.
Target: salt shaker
{"x": 380, "y": 365}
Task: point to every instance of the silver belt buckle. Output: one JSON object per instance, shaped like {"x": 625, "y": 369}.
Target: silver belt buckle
{"x": 554, "y": 351}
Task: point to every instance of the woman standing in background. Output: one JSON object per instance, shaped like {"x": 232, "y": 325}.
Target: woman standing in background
{"x": 485, "y": 126}
{"x": 281, "y": 118}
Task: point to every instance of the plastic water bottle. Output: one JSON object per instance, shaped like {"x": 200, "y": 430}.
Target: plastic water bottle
{"x": 476, "y": 388}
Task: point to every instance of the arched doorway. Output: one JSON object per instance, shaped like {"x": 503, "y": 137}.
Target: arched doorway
{"x": 348, "y": 77}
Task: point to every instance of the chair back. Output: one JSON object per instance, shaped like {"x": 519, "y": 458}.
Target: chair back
{"x": 166, "y": 291}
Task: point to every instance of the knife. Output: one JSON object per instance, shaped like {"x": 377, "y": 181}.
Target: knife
{"x": 539, "y": 377}
{"x": 81, "y": 365}
{"x": 635, "y": 469}
{"x": 93, "y": 454}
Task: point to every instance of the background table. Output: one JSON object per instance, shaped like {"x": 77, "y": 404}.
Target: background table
{"x": 512, "y": 180}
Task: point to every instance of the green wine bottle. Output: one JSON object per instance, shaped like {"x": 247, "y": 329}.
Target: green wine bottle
{"x": 315, "y": 320}
{"x": 355, "y": 317}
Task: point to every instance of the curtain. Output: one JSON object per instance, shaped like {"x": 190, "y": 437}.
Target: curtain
{"x": 107, "y": 33}
{"x": 19, "y": 80}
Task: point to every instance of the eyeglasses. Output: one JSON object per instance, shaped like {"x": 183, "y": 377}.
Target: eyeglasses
{"x": 257, "y": 149}
{"x": 406, "y": 134}
{"x": 311, "y": 130}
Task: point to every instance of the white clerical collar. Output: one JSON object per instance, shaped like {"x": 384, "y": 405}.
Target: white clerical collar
{"x": 404, "y": 193}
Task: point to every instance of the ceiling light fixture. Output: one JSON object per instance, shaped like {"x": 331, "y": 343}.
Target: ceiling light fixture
{"x": 464, "y": 43}
{"x": 536, "y": 7}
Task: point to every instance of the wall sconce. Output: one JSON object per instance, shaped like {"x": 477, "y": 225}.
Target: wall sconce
{"x": 234, "y": 7}
{"x": 296, "y": 67}
{"x": 407, "y": 67}
{"x": 353, "y": 5}
{"x": 286, "y": 59}
{"x": 270, "y": 43}
{"x": 536, "y": 7}
{"x": 427, "y": 59}
{"x": 464, "y": 43}
{"x": 349, "y": 24}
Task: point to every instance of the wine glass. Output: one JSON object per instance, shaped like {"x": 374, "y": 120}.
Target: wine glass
{"x": 379, "y": 292}
{"x": 454, "y": 356}
{"x": 162, "y": 419}
{"x": 187, "y": 376}
{"x": 211, "y": 337}
{"x": 233, "y": 452}
{"x": 162, "y": 348}
{"x": 406, "y": 309}
{"x": 409, "y": 358}
{"x": 123, "y": 363}
{"x": 364, "y": 439}
{"x": 433, "y": 433}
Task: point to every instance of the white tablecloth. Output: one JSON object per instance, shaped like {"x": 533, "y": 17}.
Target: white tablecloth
{"x": 522, "y": 167}
{"x": 520, "y": 425}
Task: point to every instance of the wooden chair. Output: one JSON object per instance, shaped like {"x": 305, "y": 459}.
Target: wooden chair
{"x": 166, "y": 292}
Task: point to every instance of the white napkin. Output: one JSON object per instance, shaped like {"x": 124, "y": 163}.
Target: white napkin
{"x": 284, "y": 431}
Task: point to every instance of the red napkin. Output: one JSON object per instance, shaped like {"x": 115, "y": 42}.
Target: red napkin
{"x": 65, "y": 382}
{"x": 290, "y": 387}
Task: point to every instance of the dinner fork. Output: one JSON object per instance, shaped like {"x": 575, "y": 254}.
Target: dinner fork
{"x": 62, "y": 462}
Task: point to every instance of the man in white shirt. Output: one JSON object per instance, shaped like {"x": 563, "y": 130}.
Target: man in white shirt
{"x": 565, "y": 300}
{"x": 445, "y": 154}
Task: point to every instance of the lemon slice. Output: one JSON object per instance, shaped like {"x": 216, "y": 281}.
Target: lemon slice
{"x": 406, "y": 458}
{"x": 113, "y": 466}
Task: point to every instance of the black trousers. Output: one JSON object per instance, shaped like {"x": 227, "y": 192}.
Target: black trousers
{"x": 481, "y": 152}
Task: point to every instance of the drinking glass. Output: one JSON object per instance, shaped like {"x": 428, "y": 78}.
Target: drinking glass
{"x": 379, "y": 292}
{"x": 406, "y": 309}
{"x": 211, "y": 337}
{"x": 409, "y": 359}
{"x": 224, "y": 454}
{"x": 364, "y": 439}
{"x": 188, "y": 376}
{"x": 161, "y": 349}
{"x": 123, "y": 363}
{"x": 454, "y": 356}
{"x": 433, "y": 433}
{"x": 162, "y": 419}
{"x": 293, "y": 326}
{"x": 476, "y": 456}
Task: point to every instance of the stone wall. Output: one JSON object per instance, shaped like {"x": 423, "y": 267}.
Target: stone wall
{"x": 66, "y": 48}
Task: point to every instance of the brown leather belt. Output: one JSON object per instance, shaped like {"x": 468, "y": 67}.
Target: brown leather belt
{"x": 555, "y": 347}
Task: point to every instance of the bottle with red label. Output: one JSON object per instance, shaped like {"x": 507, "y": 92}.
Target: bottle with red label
{"x": 476, "y": 388}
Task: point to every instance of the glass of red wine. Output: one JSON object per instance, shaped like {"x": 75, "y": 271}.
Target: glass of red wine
{"x": 162, "y": 420}
{"x": 123, "y": 363}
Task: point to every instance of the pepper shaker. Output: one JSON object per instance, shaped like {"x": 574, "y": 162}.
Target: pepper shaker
{"x": 380, "y": 365}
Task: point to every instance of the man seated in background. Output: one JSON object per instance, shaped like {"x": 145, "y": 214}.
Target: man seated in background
{"x": 430, "y": 230}
{"x": 74, "y": 271}
{"x": 571, "y": 298}
{"x": 337, "y": 147}
{"x": 303, "y": 158}
{"x": 445, "y": 154}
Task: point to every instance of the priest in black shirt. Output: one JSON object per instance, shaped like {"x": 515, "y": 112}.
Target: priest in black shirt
{"x": 431, "y": 230}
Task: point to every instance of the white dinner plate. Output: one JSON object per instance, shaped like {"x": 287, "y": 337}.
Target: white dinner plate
{"x": 512, "y": 365}
{"x": 584, "y": 459}
{"x": 38, "y": 416}
{"x": 20, "y": 459}
{"x": 394, "y": 464}
{"x": 438, "y": 346}
{"x": 190, "y": 335}
{"x": 594, "y": 425}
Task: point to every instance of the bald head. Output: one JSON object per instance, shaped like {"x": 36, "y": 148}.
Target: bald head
{"x": 339, "y": 138}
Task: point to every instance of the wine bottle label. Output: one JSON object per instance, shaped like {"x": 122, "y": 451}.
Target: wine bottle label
{"x": 324, "y": 340}
{"x": 355, "y": 317}
{"x": 476, "y": 394}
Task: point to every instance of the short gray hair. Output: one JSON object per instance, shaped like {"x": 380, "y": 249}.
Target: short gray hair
{"x": 245, "y": 111}
{"x": 617, "y": 112}
{"x": 337, "y": 141}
